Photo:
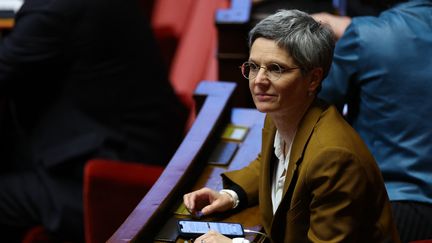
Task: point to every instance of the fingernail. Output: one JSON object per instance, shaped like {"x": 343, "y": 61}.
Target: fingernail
{"x": 199, "y": 214}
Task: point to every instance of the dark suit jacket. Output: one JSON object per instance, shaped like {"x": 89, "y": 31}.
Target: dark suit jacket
{"x": 84, "y": 77}
{"x": 333, "y": 191}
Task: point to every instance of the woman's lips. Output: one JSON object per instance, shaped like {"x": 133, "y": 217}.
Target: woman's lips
{"x": 264, "y": 97}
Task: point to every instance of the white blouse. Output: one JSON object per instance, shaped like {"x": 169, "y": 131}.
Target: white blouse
{"x": 280, "y": 170}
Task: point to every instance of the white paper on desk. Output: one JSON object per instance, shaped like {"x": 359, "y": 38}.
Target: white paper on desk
{"x": 13, "y": 5}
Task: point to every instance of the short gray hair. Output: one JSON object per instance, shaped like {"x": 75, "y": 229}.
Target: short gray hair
{"x": 307, "y": 41}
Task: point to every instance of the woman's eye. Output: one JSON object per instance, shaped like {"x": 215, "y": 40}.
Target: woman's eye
{"x": 253, "y": 67}
{"x": 273, "y": 68}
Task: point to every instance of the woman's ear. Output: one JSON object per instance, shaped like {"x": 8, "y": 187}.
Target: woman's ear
{"x": 315, "y": 79}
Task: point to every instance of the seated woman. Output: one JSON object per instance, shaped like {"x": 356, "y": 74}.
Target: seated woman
{"x": 315, "y": 180}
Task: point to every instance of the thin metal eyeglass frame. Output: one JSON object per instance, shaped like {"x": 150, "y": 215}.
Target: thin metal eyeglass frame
{"x": 282, "y": 70}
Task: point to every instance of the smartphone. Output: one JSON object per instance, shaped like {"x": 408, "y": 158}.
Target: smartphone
{"x": 193, "y": 229}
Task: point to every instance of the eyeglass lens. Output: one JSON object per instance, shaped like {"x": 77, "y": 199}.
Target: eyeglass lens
{"x": 250, "y": 70}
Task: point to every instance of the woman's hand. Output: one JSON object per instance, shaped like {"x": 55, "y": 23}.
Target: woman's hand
{"x": 207, "y": 201}
{"x": 212, "y": 237}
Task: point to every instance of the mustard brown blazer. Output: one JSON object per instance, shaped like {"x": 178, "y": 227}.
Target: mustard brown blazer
{"x": 333, "y": 192}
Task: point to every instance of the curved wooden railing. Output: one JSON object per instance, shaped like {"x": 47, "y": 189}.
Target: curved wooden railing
{"x": 146, "y": 219}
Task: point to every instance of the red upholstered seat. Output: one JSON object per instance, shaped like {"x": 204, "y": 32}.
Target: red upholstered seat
{"x": 37, "y": 234}
{"x": 112, "y": 189}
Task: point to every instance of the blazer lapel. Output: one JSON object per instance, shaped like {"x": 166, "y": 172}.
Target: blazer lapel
{"x": 267, "y": 151}
{"x": 301, "y": 139}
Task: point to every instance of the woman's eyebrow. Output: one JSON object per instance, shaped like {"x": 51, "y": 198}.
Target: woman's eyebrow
{"x": 280, "y": 63}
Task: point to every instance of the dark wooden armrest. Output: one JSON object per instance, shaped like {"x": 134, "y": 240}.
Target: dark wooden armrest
{"x": 145, "y": 220}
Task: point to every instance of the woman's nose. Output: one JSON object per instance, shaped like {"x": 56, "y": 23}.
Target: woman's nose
{"x": 261, "y": 75}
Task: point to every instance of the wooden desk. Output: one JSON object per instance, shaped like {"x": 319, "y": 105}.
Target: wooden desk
{"x": 6, "y": 20}
{"x": 6, "y": 23}
{"x": 188, "y": 169}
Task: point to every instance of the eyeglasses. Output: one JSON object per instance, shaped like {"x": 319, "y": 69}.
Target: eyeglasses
{"x": 273, "y": 70}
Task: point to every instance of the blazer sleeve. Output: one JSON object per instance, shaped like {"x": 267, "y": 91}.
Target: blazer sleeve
{"x": 247, "y": 179}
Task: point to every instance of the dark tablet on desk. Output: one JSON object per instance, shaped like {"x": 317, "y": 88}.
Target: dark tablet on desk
{"x": 223, "y": 153}
{"x": 168, "y": 232}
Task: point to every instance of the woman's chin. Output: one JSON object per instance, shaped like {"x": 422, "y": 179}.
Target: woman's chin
{"x": 265, "y": 108}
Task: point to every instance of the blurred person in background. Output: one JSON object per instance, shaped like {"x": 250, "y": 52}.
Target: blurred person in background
{"x": 382, "y": 71}
{"x": 80, "y": 79}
